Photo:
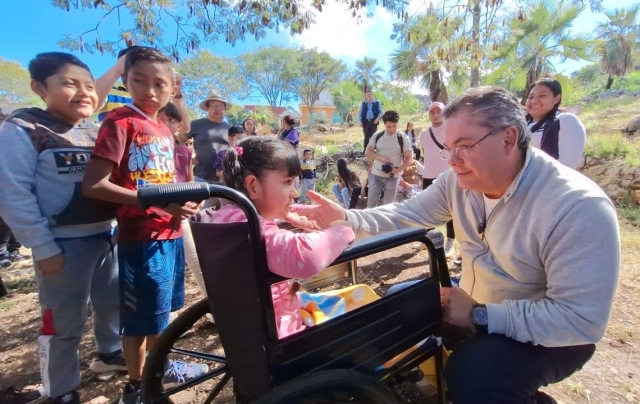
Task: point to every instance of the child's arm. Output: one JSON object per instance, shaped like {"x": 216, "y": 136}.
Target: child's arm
{"x": 190, "y": 176}
{"x": 19, "y": 205}
{"x": 303, "y": 255}
{"x": 105, "y": 82}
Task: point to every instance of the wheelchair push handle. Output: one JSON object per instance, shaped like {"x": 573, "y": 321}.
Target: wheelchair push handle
{"x": 181, "y": 193}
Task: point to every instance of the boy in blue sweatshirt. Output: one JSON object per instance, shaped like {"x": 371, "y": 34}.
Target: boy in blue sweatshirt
{"x": 70, "y": 235}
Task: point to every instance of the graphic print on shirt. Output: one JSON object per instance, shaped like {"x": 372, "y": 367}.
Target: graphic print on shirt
{"x": 151, "y": 159}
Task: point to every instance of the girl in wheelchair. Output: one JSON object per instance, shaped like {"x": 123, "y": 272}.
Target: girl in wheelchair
{"x": 265, "y": 170}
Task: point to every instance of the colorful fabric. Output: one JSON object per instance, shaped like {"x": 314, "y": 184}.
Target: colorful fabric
{"x": 117, "y": 97}
{"x": 308, "y": 169}
{"x": 292, "y": 255}
{"x": 316, "y": 308}
{"x": 142, "y": 150}
{"x": 217, "y": 165}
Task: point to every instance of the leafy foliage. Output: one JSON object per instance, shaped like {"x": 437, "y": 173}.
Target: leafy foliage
{"x": 367, "y": 73}
{"x": 271, "y": 72}
{"x": 197, "y": 21}
{"x": 618, "y": 36}
{"x": 205, "y": 71}
{"x": 347, "y": 96}
{"x": 318, "y": 71}
{"x": 14, "y": 84}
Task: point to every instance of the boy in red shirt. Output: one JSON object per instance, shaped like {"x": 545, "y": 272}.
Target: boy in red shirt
{"x": 134, "y": 147}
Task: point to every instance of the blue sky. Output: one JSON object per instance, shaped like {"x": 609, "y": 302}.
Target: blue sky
{"x": 32, "y": 26}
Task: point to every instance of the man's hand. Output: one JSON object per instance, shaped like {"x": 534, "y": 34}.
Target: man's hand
{"x": 324, "y": 213}
{"x": 397, "y": 172}
{"x": 301, "y": 222}
{"x": 182, "y": 212}
{"x": 457, "y": 305}
{"x": 375, "y": 122}
{"x": 384, "y": 159}
{"x": 52, "y": 265}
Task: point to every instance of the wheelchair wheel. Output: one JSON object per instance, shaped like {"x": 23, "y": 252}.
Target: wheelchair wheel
{"x": 202, "y": 346}
{"x": 330, "y": 387}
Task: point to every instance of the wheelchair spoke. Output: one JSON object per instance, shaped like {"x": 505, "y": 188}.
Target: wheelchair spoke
{"x": 214, "y": 373}
{"x": 214, "y": 393}
{"x": 199, "y": 355}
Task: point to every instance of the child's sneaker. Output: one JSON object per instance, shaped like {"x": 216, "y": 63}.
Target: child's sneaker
{"x": 113, "y": 362}
{"x": 71, "y": 397}
{"x": 131, "y": 394}
{"x": 15, "y": 256}
{"x": 181, "y": 372}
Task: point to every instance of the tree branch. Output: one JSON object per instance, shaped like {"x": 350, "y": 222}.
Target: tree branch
{"x": 102, "y": 19}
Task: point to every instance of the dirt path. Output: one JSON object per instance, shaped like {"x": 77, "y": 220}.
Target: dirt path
{"x": 612, "y": 376}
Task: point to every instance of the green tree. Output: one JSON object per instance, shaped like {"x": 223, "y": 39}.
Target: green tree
{"x": 204, "y": 71}
{"x": 318, "y": 71}
{"x": 347, "y": 96}
{"x": 367, "y": 74}
{"x": 271, "y": 72}
{"x": 189, "y": 23}
{"x": 618, "y": 36}
{"x": 15, "y": 84}
{"x": 532, "y": 45}
{"x": 398, "y": 98}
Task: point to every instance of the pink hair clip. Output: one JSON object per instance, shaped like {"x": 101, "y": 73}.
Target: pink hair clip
{"x": 239, "y": 150}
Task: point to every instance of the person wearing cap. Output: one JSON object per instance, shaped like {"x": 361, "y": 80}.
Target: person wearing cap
{"x": 369, "y": 116}
{"x": 532, "y": 301}
{"x": 209, "y": 136}
{"x": 432, "y": 142}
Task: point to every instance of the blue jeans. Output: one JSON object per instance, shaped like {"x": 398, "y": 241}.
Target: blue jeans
{"x": 342, "y": 195}
{"x": 378, "y": 184}
{"x": 307, "y": 184}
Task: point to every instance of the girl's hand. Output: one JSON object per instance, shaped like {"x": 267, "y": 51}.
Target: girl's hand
{"x": 301, "y": 222}
{"x": 182, "y": 212}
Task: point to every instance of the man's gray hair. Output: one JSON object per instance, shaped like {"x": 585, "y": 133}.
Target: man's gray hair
{"x": 493, "y": 108}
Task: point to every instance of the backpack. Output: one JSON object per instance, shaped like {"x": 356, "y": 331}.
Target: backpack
{"x": 400, "y": 142}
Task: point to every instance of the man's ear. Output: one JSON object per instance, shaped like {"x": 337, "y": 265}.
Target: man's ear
{"x": 252, "y": 185}
{"x": 39, "y": 88}
{"x": 510, "y": 139}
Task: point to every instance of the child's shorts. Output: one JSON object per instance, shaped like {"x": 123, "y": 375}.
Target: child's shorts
{"x": 151, "y": 285}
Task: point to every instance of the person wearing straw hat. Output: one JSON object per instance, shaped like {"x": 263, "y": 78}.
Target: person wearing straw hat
{"x": 209, "y": 136}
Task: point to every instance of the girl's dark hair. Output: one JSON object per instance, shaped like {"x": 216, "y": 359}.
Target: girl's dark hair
{"x": 171, "y": 111}
{"x": 390, "y": 116}
{"x": 259, "y": 155}
{"x": 345, "y": 174}
{"x": 45, "y": 65}
{"x": 289, "y": 120}
{"x": 556, "y": 89}
{"x": 138, "y": 54}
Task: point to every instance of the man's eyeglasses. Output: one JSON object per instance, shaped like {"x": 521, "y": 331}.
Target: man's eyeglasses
{"x": 219, "y": 107}
{"x": 462, "y": 151}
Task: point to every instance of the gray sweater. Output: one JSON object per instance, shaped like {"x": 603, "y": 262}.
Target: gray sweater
{"x": 42, "y": 163}
{"x": 547, "y": 264}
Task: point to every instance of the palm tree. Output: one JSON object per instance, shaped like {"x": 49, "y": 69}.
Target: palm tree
{"x": 431, "y": 49}
{"x": 367, "y": 74}
{"x": 533, "y": 43}
{"x": 618, "y": 36}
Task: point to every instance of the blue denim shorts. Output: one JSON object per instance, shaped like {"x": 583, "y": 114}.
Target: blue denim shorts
{"x": 151, "y": 285}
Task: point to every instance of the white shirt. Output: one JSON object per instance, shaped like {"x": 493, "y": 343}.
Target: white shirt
{"x": 388, "y": 146}
{"x": 433, "y": 164}
{"x": 571, "y": 139}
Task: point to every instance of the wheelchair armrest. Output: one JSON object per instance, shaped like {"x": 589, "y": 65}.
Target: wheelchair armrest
{"x": 372, "y": 245}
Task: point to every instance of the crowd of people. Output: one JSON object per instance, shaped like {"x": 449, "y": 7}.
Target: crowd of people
{"x": 532, "y": 300}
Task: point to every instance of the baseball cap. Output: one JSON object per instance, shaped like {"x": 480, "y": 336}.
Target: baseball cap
{"x": 436, "y": 104}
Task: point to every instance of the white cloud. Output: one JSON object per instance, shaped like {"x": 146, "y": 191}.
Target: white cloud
{"x": 337, "y": 32}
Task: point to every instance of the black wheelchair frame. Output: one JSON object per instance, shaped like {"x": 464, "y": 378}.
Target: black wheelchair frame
{"x": 238, "y": 283}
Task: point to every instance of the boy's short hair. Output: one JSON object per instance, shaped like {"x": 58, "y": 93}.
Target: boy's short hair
{"x": 127, "y": 50}
{"x": 171, "y": 111}
{"x": 390, "y": 116}
{"x": 46, "y": 64}
{"x": 307, "y": 150}
{"x": 234, "y": 130}
{"x": 138, "y": 54}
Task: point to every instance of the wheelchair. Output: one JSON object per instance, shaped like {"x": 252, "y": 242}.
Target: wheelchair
{"x": 338, "y": 361}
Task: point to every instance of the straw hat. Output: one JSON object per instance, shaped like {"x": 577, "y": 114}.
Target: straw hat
{"x": 214, "y": 95}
